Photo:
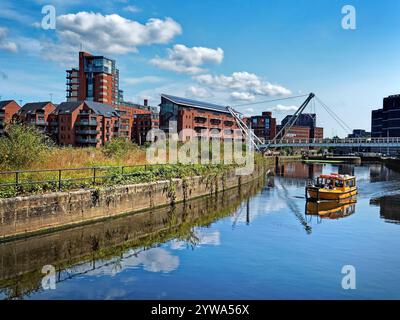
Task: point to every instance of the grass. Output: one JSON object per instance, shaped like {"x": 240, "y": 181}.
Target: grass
{"x": 26, "y": 149}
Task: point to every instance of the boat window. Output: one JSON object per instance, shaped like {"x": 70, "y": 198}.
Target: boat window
{"x": 339, "y": 183}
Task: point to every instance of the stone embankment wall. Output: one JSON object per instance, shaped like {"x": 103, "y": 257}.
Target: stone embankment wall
{"x": 23, "y": 216}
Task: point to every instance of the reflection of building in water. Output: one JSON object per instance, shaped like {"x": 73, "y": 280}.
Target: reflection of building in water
{"x": 346, "y": 169}
{"x": 331, "y": 210}
{"x": 122, "y": 242}
{"x": 379, "y": 172}
{"x": 389, "y": 208}
{"x": 299, "y": 170}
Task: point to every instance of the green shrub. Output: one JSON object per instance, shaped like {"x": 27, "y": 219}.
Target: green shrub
{"x": 22, "y": 145}
{"x": 118, "y": 147}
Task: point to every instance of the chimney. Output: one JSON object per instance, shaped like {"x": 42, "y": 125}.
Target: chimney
{"x": 146, "y": 102}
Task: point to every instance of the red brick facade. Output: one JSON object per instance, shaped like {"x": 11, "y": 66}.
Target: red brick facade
{"x": 35, "y": 113}
{"x": 8, "y": 109}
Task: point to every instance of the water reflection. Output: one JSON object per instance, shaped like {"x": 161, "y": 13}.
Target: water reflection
{"x": 299, "y": 170}
{"x": 236, "y": 235}
{"x": 115, "y": 245}
{"x": 389, "y": 207}
{"x": 331, "y": 210}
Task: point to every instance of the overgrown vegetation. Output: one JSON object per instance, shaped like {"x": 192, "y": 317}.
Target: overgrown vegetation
{"x": 22, "y": 146}
{"x": 25, "y": 148}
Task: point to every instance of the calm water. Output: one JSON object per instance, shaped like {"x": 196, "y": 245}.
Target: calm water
{"x": 254, "y": 243}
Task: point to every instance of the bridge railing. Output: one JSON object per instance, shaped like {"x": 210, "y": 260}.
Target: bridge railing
{"x": 335, "y": 141}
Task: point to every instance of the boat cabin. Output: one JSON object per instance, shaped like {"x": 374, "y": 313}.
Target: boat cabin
{"x": 336, "y": 181}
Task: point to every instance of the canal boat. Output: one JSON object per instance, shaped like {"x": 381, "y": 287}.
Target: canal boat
{"x": 332, "y": 187}
{"x": 332, "y": 210}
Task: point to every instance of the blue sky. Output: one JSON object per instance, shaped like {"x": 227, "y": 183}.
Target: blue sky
{"x": 227, "y": 51}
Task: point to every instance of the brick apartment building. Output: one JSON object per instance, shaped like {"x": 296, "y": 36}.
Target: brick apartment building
{"x": 8, "y": 109}
{"x": 35, "y": 113}
{"x": 138, "y": 121}
{"x": 84, "y": 123}
{"x": 263, "y": 126}
{"x": 155, "y": 115}
{"x": 204, "y": 118}
{"x": 304, "y": 127}
{"x": 96, "y": 79}
{"x": 89, "y": 123}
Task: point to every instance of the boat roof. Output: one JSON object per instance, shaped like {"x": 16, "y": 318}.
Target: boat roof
{"x": 336, "y": 176}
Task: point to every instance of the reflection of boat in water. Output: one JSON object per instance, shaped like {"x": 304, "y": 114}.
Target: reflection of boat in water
{"x": 332, "y": 210}
{"x": 332, "y": 187}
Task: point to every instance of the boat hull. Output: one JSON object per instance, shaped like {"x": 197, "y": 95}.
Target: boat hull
{"x": 314, "y": 193}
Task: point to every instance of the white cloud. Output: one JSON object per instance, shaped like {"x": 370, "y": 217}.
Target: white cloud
{"x": 113, "y": 33}
{"x": 199, "y": 92}
{"x": 188, "y": 60}
{"x": 281, "y": 107}
{"x": 242, "y": 96}
{"x": 5, "y": 44}
{"x": 132, "y": 9}
{"x": 107, "y": 34}
{"x": 244, "y": 85}
{"x": 204, "y": 238}
{"x": 141, "y": 80}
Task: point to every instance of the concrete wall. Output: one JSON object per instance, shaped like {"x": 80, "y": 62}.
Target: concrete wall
{"x": 22, "y": 216}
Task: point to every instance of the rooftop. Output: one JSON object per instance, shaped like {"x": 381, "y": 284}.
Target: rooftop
{"x": 195, "y": 104}
{"x": 33, "y": 106}
{"x": 5, "y": 102}
{"x": 98, "y": 108}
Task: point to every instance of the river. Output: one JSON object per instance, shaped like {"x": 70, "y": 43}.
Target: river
{"x": 257, "y": 242}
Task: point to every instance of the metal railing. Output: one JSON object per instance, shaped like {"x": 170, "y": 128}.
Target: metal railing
{"x": 58, "y": 177}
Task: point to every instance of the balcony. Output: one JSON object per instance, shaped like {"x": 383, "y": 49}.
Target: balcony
{"x": 215, "y": 121}
{"x": 87, "y": 132}
{"x": 200, "y": 119}
{"x": 86, "y": 140}
{"x": 87, "y": 123}
{"x": 228, "y": 123}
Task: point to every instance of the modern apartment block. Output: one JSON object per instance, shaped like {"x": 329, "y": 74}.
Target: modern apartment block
{"x": 263, "y": 126}
{"x": 35, "y": 113}
{"x": 155, "y": 115}
{"x": 135, "y": 122}
{"x": 386, "y": 121}
{"x": 84, "y": 123}
{"x": 205, "y": 119}
{"x": 8, "y": 109}
{"x": 96, "y": 79}
{"x": 142, "y": 125}
{"x": 305, "y": 127}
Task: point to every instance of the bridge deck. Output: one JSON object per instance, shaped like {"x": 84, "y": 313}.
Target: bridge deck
{"x": 346, "y": 143}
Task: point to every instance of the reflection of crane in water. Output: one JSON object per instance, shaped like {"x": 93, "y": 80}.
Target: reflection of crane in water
{"x": 240, "y": 211}
{"x": 293, "y": 207}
